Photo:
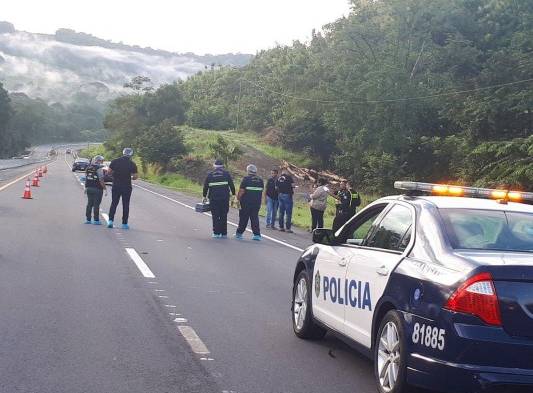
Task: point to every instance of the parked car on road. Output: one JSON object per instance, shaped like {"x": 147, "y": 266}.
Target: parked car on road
{"x": 436, "y": 286}
{"x": 80, "y": 164}
{"x": 108, "y": 177}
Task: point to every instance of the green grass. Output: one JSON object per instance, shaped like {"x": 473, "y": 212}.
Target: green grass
{"x": 198, "y": 141}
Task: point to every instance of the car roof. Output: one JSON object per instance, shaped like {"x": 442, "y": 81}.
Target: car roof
{"x": 82, "y": 159}
{"x": 450, "y": 202}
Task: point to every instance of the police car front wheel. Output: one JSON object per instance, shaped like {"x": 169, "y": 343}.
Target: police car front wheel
{"x": 302, "y": 316}
{"x": 389, "y": 355}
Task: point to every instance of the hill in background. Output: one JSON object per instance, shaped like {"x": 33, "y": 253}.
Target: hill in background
{"x": 60, "y": 66}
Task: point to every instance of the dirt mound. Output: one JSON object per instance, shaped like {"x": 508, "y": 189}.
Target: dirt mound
{"x": 272, "y": 135}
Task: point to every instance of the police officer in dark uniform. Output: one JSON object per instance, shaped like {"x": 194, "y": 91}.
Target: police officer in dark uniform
{"x": 94, "y": 188}
{"x": 250, "y": 194}
{"x": 123, "y": 170}
{"x": 347, "y": 202}
{"x": 217, "y": 187}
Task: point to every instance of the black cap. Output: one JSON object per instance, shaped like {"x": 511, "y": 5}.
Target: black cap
{"x": 219, "y": 163}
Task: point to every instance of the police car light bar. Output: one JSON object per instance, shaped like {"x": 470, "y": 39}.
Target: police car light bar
{"x": 473, "y": 192}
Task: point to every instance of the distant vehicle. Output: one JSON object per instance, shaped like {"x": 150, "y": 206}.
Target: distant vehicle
{"x": 68, "y": 151}
{"x": 17, "y": 158}
{"x": 108, "y": 178}
{"x": 80, "y": 164}
{"x": 436, "y": 286}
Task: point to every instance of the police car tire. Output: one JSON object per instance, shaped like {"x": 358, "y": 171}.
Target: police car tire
{"x": 309, "y": 329}
{"x": 401, "y": 385}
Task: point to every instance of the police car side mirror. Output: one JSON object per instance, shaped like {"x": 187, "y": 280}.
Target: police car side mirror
{"x": 324, "y": 236}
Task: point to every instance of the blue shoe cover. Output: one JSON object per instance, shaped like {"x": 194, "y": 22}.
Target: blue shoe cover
{"x": 110, "y": 224}
{"x": 256, "y": 237}
{"x": 87, "y": 222}
{"x": 223, "y": 236}
{"x": 238, "y": 236}
{"x": 215, "y": 235}
{"x": 97, "y": 222}
{"x": 125, "y": 226}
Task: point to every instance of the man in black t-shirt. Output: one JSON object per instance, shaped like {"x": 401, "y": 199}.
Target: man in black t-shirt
{"x": 285, "y": 188}
{"x": 123, "y": 170}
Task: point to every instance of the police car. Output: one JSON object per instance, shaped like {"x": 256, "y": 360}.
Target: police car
{"x": 435, "y": 285}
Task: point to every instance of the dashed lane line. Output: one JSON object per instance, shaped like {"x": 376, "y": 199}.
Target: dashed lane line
{"x": 141, "y": 265}
{"x": 196, "y": 344}
{"x": 209, "y": 215}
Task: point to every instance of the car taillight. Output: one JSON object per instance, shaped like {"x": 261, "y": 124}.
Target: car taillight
{"x": 477, "y": 296}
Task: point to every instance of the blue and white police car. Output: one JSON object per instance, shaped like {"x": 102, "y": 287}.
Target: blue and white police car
{"x": 435, "y": 285}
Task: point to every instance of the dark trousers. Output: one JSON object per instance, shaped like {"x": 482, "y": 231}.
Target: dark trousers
{"x": 94, "y": 198}
{"x": 219, "y": 213}
{"x": 340, "y": 219}
{"x": 118, "y": 192}
{"x": 251, "y": 213}
{"x": 317, "y": 219}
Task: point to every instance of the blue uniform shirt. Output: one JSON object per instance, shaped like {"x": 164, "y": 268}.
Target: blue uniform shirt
{"x": 218, "y": 185}
{"x": 253, "y": 190}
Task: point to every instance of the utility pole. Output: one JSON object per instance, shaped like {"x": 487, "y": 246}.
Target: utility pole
{"x": 239, "y": 103}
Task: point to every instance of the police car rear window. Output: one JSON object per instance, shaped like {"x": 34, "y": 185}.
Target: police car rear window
{"x": 488, "y": 230}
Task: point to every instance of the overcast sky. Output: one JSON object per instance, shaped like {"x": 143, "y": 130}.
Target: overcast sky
{"x": 200, "y": 26}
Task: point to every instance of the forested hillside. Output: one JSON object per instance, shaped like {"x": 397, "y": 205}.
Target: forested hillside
{"x": 25, "y": 121}
{"x": 400, "y": 89}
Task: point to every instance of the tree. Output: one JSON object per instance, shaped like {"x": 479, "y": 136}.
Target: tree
{"x": 160, "y": 144}
{"x": 224, "y": 150}
{"x": 140, "y": 84}
{"x": 5, "y": 115}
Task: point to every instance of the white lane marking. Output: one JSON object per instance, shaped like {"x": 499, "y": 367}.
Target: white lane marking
{"x": 180, "y": 320}
{"x": 16, "y": 180}
{"x": 19, "y": 179}
{"x": 143, "y": 267}
{"x": 197, "y": 345}
{"x": 162, "y": 297}
{"x": 170, "y": 306}
{"x": 229, "y": 222}
{"x": 159, "y": 290}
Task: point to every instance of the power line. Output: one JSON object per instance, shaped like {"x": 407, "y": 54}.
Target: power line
{"x": 453, "y": 93}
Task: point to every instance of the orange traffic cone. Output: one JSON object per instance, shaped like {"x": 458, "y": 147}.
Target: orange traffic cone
{"x": 35, "y": 181}
{"x": 27, "y": 190}
{"x": 40, "y": 172}
{"x": 45, "y": 170}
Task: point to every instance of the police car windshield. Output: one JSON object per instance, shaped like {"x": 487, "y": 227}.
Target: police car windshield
{"x": 82, "y": 160}
{"x": 472, "y": 229}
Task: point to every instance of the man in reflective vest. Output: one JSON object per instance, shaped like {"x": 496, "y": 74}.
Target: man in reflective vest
{"x": 94, "y": 188}
{"x": 217, "y": 187}
{"x": 249, "y": 196}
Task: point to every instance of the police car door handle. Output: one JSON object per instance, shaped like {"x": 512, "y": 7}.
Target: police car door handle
{"x": 382, "y": 271}
{"x": 342, "y": 262}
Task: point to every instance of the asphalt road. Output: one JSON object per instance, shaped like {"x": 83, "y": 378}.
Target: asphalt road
{"x": 80, "y": 315}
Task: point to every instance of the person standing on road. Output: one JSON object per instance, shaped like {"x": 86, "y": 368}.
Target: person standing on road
{"x": 94, "y": 188}
{"x": 249, "y": 196}
{"x": 217, "y": 187}
{"x": 347, "y": 201}
{"x": 285, "y": 188}
{"x": 271, "y": 200}
{"x": 318, "y": 204}
{"x": 123, "y": 170}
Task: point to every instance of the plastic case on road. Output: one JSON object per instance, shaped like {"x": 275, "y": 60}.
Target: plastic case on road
{"x": 202, "y": 207}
